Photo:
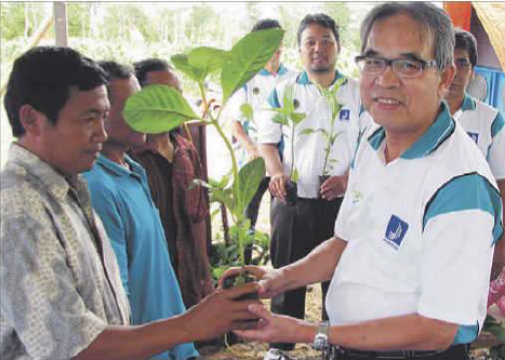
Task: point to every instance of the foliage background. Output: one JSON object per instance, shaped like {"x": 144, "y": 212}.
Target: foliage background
{"x": 131, "y": 31}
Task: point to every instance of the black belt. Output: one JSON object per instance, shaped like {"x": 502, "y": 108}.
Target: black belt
{"x": 455, "y": 352}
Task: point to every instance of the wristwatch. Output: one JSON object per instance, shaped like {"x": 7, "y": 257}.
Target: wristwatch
{"x": 321, "y": 341}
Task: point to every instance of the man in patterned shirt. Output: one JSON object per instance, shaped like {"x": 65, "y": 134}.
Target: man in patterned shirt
{"x": 61, "y": 293}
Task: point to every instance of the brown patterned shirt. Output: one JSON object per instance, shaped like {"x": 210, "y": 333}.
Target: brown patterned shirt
{"x": 59, "y": 280}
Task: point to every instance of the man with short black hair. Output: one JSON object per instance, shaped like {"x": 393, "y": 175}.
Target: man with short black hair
{"x": 419, "y": 220}
{"x": 172, "y": 163}
{"x": 244, "y": 130}
{"x": 297, "y": 229}
{"x": 483, "y": 123}
{"x": 60, "y": 286}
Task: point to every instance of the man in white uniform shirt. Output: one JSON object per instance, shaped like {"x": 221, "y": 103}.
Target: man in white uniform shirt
{"x": 420, "y": 216}
{"x": 245, "y": 130}
{"x": 299, "y": 228}
{"x": 483, "y": 123}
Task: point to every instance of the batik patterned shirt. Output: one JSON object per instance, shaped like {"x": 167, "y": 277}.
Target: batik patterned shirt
{"x": 59, "y": 285}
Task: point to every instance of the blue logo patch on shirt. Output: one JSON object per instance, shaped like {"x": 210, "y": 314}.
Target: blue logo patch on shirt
{"x": 395, "y": 231}
{"x": 345, "y": 114}
{"x": 474, "y": 136}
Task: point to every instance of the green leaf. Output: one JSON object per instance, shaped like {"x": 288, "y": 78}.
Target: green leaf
{"x": 306, "y": 131}
{"x": 295, "y": 176}
{"x": 246, "y": 111}
{"x": 297, "y": 117}
{"x": 180, "y": 62}
{"x": 495, "y": 327}
{"x": 248, "y": 56}
{"x": 207, "y": 60}
{"x": 157, "y": 109}
{"x": 280, "y": 119}
{"x": 250, "y": 177}
{"x": 288, "y": 104}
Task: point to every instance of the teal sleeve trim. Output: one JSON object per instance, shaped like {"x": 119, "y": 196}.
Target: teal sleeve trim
{"x": 273, "y": 99}
{"x": 497, "y": 125}
{"x": 467, "y": 192}
{"x": 466, "y": 334}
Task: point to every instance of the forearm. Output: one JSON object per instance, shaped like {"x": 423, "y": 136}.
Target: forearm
{"x": 318, "y": 266}
{"x": 407, "y": 332}
{"x": 239, "y": 133}
{"x": 270, "y": 153}
{"x": 138, "y": 342}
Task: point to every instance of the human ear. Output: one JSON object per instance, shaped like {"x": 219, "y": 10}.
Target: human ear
{"x": 446, "y": 77}
{"x": 31, "y": 119}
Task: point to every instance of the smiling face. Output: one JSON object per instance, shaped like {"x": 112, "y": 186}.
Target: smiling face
{"x": 72, "y": 145}
{"x": 319, "y": 49}
{"x": 402, "y": 105}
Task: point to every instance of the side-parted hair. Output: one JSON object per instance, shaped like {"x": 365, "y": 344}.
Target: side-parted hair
{"x": 466, "y": 41}
{"x": 321, "y": 20}
{"x": 115, "y": 71}
{"x": 42, "y": 77}
{"x": 143, "y": 67}
{"x": 434, "y": 20}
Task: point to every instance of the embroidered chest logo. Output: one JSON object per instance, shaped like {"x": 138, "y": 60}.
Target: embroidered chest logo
{"x": 395, "y": 231}
{"x": 344, "y": 115}
{"x": 474, "y": 136}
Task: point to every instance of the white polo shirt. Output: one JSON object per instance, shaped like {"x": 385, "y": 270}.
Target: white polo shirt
{"x": 420, "y": 231}
{"x": 485, "y": 125}
{"x": 255, "y": 92}
{"x": 309, "y": 149}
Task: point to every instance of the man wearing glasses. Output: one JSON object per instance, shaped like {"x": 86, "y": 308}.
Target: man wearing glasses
{"x": 484, "y": 124}
{"x": 419, "y": 218}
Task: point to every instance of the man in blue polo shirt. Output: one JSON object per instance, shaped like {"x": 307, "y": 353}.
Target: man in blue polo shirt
{"x": 410, "y": 259}
{"x": 120, "y": 195}
{"x": 484, "y": 124}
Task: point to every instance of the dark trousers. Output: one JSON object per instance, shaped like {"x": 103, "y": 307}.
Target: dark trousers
{"x": 251, "y": 213}
{"x": 296, "y": 231}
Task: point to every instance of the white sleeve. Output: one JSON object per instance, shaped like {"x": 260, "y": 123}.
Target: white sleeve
{"x": 236, "y": 101}
{"x": 496, "y": 157}
{"x": 269, "y": 132}
{"x": 456, "y": 266}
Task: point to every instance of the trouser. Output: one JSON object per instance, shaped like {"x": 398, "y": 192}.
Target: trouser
{"x": 455, "y": 352}
{"x": 251, "y": 213}
{"x": 296, "y": 231}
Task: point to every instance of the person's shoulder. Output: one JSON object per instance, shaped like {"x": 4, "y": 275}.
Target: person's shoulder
{"x": 485, "y": 111}
{"x": 99, "y": 180}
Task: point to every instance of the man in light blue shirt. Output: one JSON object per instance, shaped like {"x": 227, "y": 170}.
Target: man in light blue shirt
{"x": 121, "y": 196}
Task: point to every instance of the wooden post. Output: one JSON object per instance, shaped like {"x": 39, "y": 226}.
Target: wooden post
{"x": 60, "y": 23}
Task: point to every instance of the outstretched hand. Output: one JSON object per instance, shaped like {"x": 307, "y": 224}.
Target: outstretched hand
{"x": 273, "y": 328}
{"x": 270, "y": 281}
{"x": 220, "y": 312}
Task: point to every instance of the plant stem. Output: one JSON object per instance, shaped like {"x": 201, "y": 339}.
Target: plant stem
{"x": 292, "y": 151}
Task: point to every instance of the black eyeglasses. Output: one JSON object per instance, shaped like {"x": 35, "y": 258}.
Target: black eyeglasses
{"x": 404, "y": 68}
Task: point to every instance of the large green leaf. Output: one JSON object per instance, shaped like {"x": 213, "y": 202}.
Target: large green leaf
{"x": 157, "y": 109}
{"x": 181, "y": 63}
{"x": 250, "y": 177}
{"x": 207, "y": 59}
{"x": 248, "y": 56}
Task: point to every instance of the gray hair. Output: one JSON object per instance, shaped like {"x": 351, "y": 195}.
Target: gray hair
{"x": 434, "y": 20}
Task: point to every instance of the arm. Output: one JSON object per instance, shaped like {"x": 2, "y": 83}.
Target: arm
{"x": 499, "y": 251}
{"x": 218, "y": 313}
{"x": 407, "y": 332}
{"x": 318, "y": 266}
{"x": 244, "y": 140}
{"x": 270, "y": 152}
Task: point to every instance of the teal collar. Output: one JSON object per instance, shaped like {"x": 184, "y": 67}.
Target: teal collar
{"x": 468, "y": 103}
{"x": 118, "y": 169}
{"x": 303, "y": 78}
{"x": 436, "y": 134}
{"x": 282, "y": 70}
